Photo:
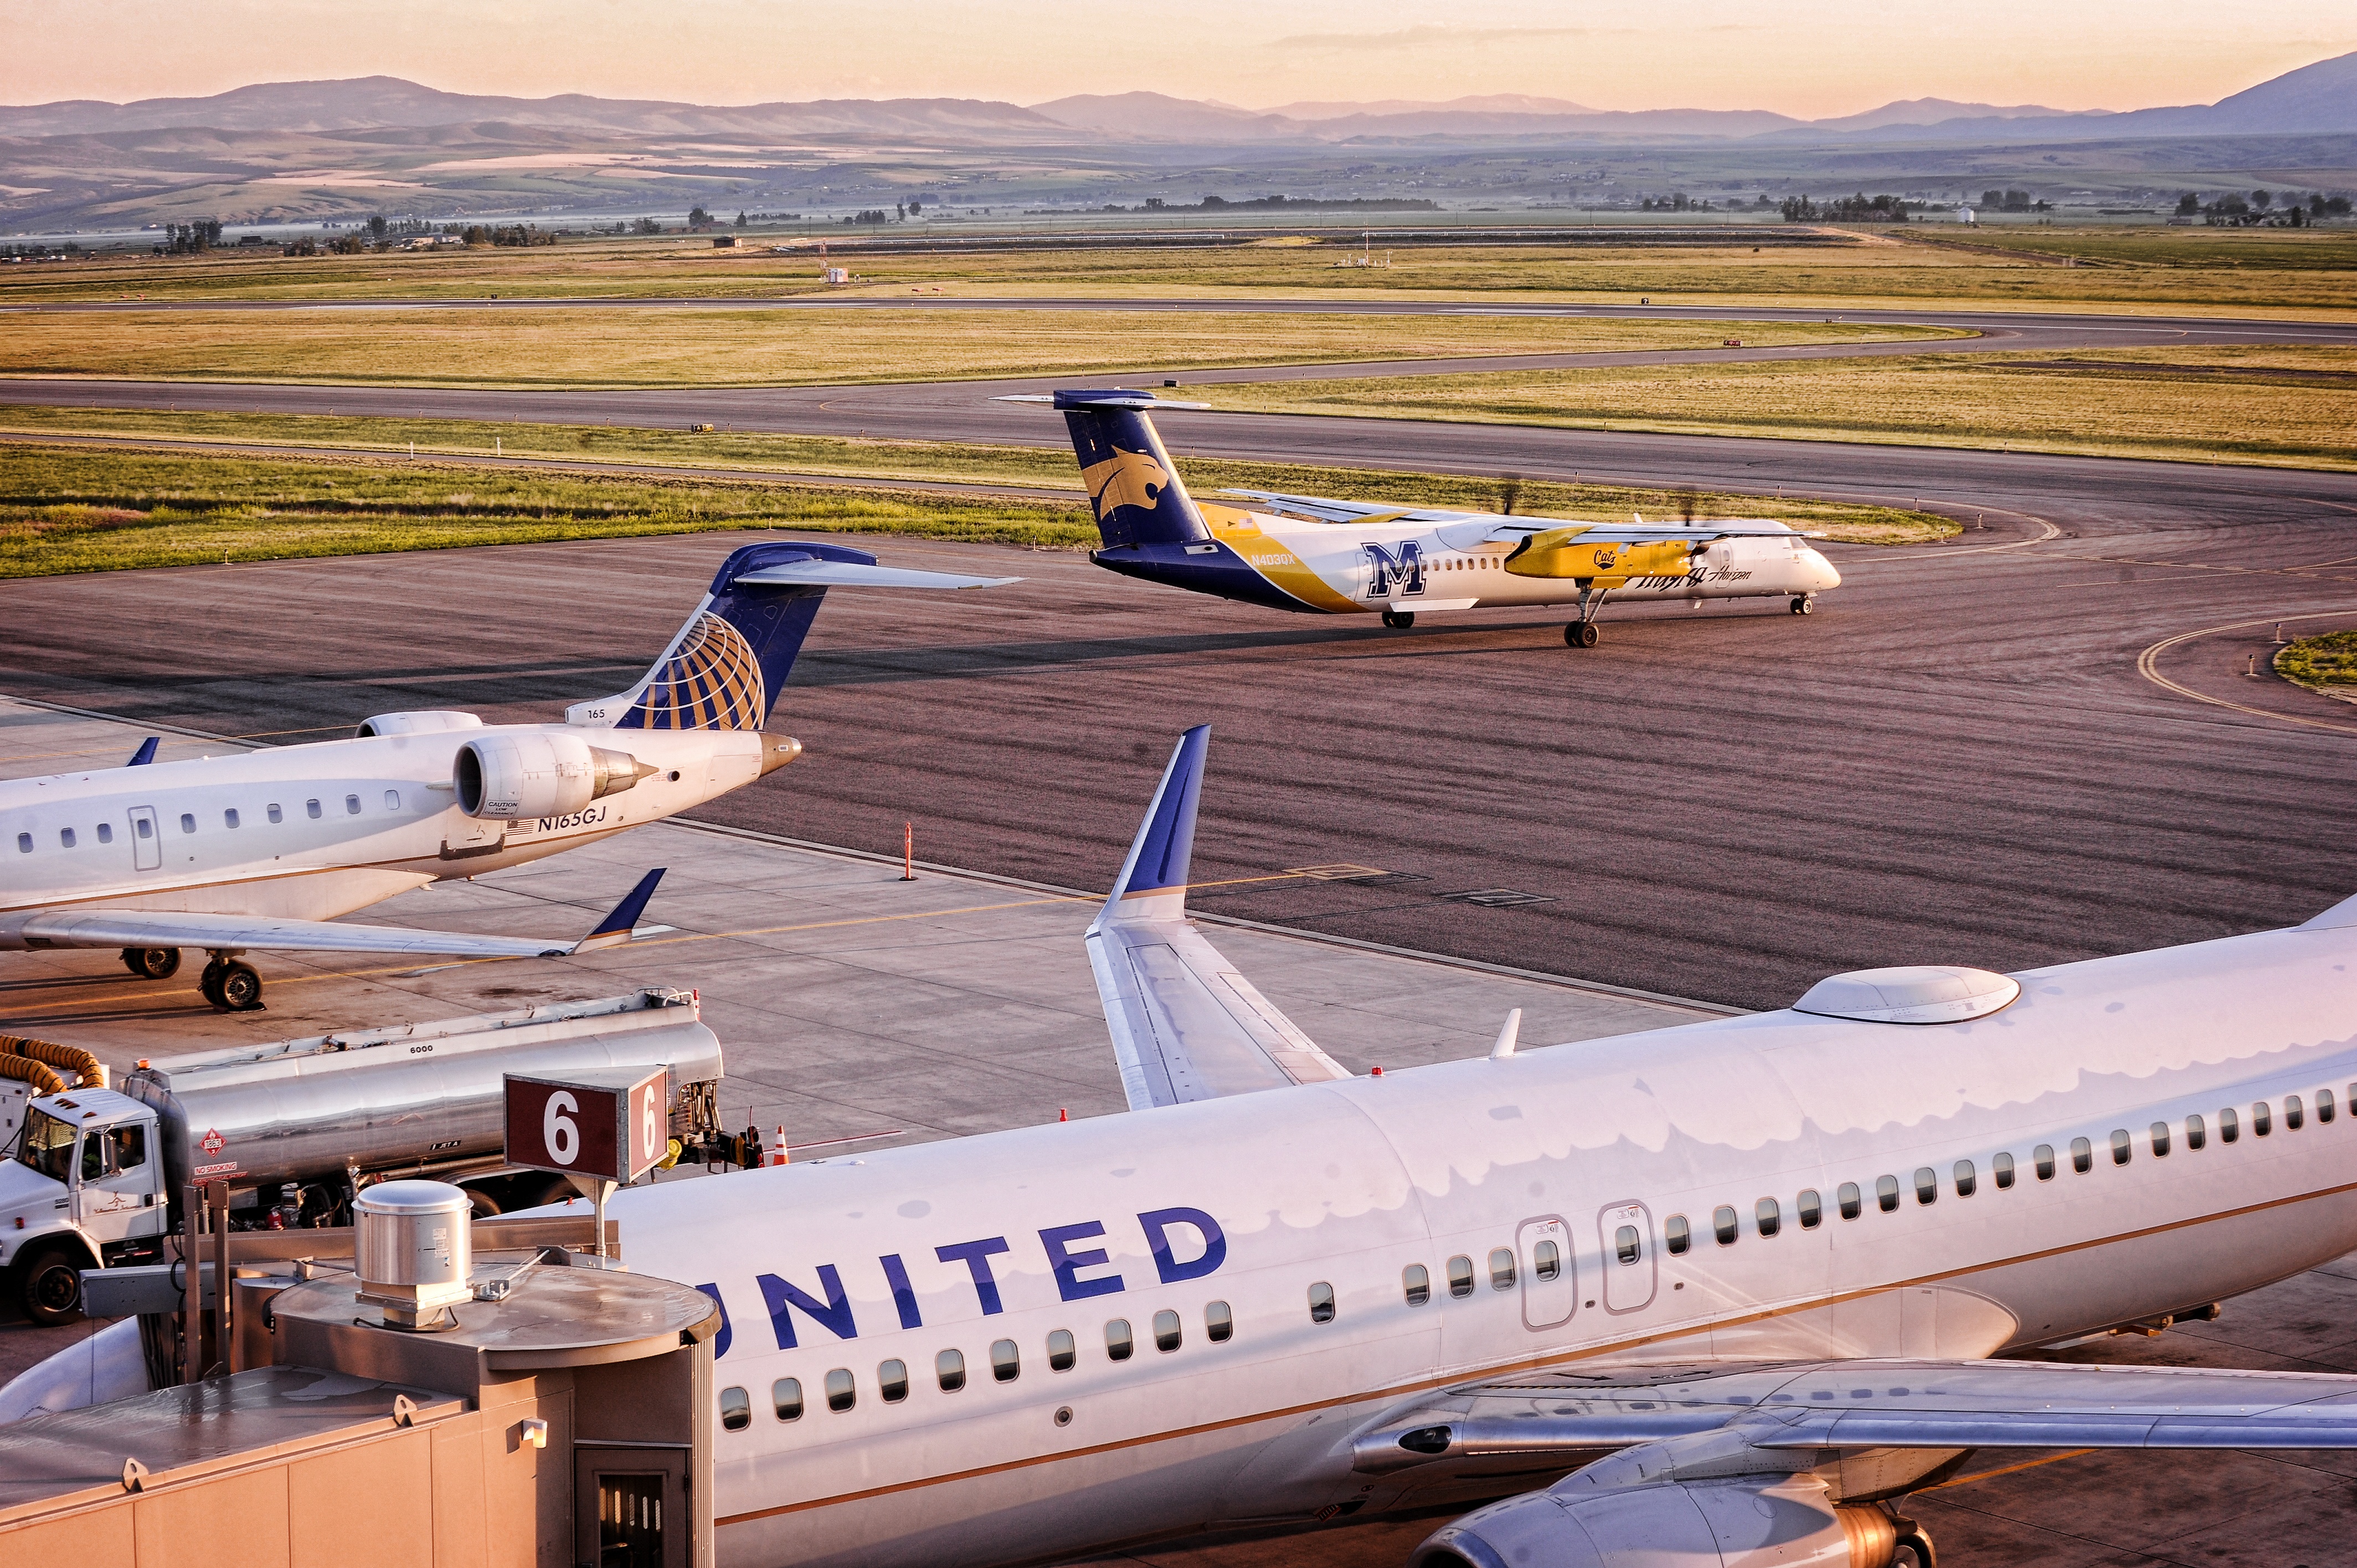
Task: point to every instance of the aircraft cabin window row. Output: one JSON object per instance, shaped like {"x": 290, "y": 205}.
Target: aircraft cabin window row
{"x": 1768, "y": 1214}
{"x": 231, "y": 820}
{"x": 892, "y": 1381}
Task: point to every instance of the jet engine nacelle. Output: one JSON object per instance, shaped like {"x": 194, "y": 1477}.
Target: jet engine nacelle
{"x": 1748, "y": 1523}
{"x": 540, "y": 773}
{"x": 425, "y": 721}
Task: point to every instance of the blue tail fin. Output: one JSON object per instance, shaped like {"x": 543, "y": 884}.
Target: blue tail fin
{"x": 1133, "y": 486}
{"x": 727, "y": 666}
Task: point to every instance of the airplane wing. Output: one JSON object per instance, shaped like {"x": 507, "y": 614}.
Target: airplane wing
{"x": 1323, "y": 509}
{"x": 1185, "y": 1025}
{"x": 853, "y": 575}
{"x": 1463, "y": 530}
{"x": 171, "y": 928}
{"x": 1780, "y": 1412}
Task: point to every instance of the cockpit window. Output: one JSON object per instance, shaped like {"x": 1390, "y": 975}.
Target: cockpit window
{"x": 48, "y": 1145}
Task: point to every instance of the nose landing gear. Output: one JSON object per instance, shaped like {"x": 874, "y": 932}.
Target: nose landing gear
{"x": 232, "y": 985}
{"x": 1804, "y": 604}
{"x": 1399, "y": 620}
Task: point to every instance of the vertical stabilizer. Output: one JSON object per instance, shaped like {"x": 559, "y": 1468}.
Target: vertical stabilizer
{"x": 1134, "y": 488}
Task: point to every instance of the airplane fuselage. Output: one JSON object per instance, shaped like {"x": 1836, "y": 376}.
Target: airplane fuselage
{"x": 2093, "y": 1155}
{"x": 314, "y": 832}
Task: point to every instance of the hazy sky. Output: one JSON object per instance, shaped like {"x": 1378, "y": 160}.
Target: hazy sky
{"x": 1812, "y": 59}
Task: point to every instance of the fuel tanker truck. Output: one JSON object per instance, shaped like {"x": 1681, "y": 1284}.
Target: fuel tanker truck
{"x": 297, "y": 1129}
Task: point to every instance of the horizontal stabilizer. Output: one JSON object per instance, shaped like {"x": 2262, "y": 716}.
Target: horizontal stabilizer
{"x": 1186, "y": 1025}
{"x": 1112, "y": 398}
{"x": 813, "y": 571}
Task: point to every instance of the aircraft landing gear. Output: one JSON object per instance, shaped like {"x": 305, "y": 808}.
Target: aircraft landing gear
{"x": 1399, "y": 620}
{"x": 231, "y": 985}
{"x": 1804, "y": 604}
{"x": 151, "y": 964}
{"x": 1581, "y": 634}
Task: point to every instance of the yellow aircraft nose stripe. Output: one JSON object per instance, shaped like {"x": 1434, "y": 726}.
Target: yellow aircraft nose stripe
{"x": 1277, "y": 565}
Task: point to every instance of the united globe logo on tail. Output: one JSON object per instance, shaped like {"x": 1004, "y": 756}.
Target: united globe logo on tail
{"x": 712, "y": 680}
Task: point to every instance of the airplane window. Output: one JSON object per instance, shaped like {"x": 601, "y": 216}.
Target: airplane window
{"x": 2043, "y": 1157}
{"x": 1064, "y": 1351}
{"x": 1812, "y": 1210}
{"x": 311, "y": 808}
{"x": 1851, "y": 1200}
{"x": 1321, "y": 1303}
{"x": 66, "y": 838}
{"x": 187, "y": 823}
{"x": 1118, "y": 1344}
{"x": 2121, "y": 1148}
{"x": 1416, "y": 1284}
{"x": 949, "y": 1367}
{"x": 842, "y": 1394}
{"x": 736, "y": 1410}
{"x": 1501, "y": 1268}
{"x": 2292, "y": 1111}
{"x": 2002, "y": 1167}
{"x": 1768, "y": 1217}
{"x": 1460, "y": 1275}
{"x": 1219, "y": 1323}
{"x": 2262, "y": 1119}
{"x": 1886, "y": 1194}
{"x": 2082, "y": 1155}
{"x": 352, "y": 805}
{"x": 1927, "y": 1184}
{"x": 2159, "y": 1138}
{"x": 1722, "y": 1225}
{"x": 786, "y": 1399}
{"x": 1967, "y": 1183}
{"x": 229, "y": 817}
{"x": 1627, "y": 1245}
{"x": 392, "y": 799}
{"x": 23, "y": 844}
{"x": 146, "y": 828}
{"x": 2324, "y": 1105}
{"x": 1006, "y": 1361}
{"x": 892, "y": 1381}
{"x": 106, "y": 832}
{"x": 2195, "y": 1134}
{"x": 2229, "y": 1129}
{"x": 1547, "y": 1261}
{"x": 1166, "y": 1331}
{"x": 1677, "y": 1233}
{"x": 274, "y": 813}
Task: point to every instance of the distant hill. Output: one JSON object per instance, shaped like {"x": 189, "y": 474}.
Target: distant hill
{"x": 1939, "y": 111}
{"x": 1486, "y": 103}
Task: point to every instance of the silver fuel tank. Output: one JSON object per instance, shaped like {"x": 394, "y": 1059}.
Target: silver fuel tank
{"x": 379, "y": 1100}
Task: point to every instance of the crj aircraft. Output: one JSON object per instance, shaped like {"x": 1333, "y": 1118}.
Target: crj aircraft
{"x": 262, "y": 850}
{"x": 1714, "y": 1297}
{"x": 1305, "y": 553}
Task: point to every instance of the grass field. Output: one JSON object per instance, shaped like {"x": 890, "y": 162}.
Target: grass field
{"x": 2309, "y": 271}
{"x": 2326, "y": 663}
{"x": 78, "y": 509}
{"x": 738, "y": 347}
{"x": 2272, "y": 405}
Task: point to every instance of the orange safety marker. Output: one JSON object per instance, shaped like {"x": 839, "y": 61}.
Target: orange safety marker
{"x": 908, "y": 851}
{"x": 1062, "y": 1114}
{"x": 781, "y": 1155}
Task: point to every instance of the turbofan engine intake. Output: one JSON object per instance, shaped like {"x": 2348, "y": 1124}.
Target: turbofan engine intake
{"x": 1747, "y": 1523}
{"x": 536, "y": 773}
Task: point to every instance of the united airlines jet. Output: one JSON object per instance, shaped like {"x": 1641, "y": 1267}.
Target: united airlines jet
{"x": 263, "y": 849}
{"x": 1714, "y": 1297}
{"x": 1311, "y": 554}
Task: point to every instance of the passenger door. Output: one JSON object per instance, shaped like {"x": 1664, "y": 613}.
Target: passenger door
{"x": 1624, "y": 1232}
{"x": 1550, "y": 1283}
{"x": 114, "y": 1182}
{"x": 147, "y": 839}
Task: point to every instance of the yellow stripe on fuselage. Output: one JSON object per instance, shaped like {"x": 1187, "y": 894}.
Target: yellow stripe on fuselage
{"x": 1240, "y": 531}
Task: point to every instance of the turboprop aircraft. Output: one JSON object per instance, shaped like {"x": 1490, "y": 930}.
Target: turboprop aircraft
{"x": 263, "y": 849}
{"x": 1306, "y": 553}
{"x": 1712, "y": 1296}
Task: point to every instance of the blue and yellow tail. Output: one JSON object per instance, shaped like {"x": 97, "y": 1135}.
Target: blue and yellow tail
{"x": 1134, "y": 488}
{"x": 727, "y": 666}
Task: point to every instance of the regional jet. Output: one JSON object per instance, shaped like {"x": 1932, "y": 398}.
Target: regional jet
{"x": 262, "y": 850}
{"x": 1714, "y": 1297}
{"x": 1316, "y": 554}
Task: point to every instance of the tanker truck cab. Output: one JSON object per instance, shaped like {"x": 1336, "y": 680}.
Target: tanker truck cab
{"x": 85, "y": 1190}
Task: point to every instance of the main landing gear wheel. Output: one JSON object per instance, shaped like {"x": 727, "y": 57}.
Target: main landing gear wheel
{"x": 232, "y": 986}
{"x": 151, "y": 964}
{"x": 1581, "y": 634}
{"x": 1399, "y": 620}
{"x": 1802, "y": 605}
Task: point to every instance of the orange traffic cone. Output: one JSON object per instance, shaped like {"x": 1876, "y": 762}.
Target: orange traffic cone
{"x": 778, "y": 1154}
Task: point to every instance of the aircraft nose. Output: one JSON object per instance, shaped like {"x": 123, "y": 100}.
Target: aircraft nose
{"x": 1825, "y": 574}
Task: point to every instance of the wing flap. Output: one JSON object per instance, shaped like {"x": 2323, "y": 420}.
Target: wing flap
{"x": 821, "y": 574}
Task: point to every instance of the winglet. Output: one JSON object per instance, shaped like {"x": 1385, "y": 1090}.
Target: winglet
{"x": 616, "y": 927}
{"x": 1165, "y": 846}
{"x": 146, "y": 752}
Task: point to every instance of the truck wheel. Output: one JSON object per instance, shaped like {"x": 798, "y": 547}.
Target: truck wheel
{"x": 151, "y": 964}
{"x": 52, "y": 1286}
{"x": 481, "y": 1205}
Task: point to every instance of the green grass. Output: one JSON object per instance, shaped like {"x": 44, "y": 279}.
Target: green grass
{"x": 2326, "y": 663}
{"x": 65, "y": 509}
